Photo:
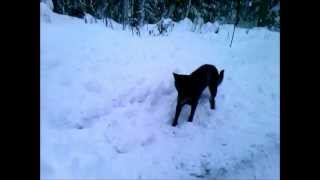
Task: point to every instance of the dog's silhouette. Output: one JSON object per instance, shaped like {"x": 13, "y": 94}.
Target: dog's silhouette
{"x": 190, "y": 88}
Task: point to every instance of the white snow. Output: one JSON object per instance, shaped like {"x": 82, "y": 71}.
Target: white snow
{"x": 108, "y": 99}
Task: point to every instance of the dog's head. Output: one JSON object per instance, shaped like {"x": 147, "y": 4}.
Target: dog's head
{"x": 180, "y": 81}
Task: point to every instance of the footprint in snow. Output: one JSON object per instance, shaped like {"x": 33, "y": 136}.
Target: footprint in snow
{"x": 120, "y": 150}
{"x": 118, "y": 103}
{"x": 148, "y": 141}
{"x": 124, "y": 147}
{"x": 237, "y": 105}
{"x": 139, "y": 98}
{"x": 142, "y": 97}
{"x": 78, "y": 126}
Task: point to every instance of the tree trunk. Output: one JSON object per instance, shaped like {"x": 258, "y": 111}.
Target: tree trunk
{"x": 188, "y": 9}
{"x": 125, "y": 13}
{"x": 142, "y": 12}
{"x": 171, "y": 10}
{"x": 237, "y": 19}
{"x": 62, "y": 7}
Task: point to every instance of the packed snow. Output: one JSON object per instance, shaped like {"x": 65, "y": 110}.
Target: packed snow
{"x": 108, "y": 100}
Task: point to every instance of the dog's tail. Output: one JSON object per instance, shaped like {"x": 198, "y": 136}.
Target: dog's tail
{"x": 220, "y": 78}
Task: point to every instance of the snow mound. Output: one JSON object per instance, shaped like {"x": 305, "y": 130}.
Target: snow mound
{"x": 167, "y": 21}
{"x": 184, "y": 25}
{"x": 210, "y": 27}
{"x": 48, "y": 16}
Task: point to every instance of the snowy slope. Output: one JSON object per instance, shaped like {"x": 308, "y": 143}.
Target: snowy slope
{"x": 108, "y": 99}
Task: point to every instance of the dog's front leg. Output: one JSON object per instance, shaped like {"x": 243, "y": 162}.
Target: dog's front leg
{"x": 193, "y": 109}
{"x": 212, "y": 103}
{"x": 178, "y": 110}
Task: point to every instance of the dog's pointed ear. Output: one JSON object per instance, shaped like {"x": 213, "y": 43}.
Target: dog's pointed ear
{"x": 175, "y": 75}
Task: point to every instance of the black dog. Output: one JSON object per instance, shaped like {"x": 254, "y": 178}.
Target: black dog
{"x": 190, "y": 88}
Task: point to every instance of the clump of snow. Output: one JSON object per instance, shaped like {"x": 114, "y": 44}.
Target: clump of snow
{"x": 198, "y": 24}
{"x": 216, "y": 24}
{"x": 108, "y": 99}
{"x": 164, "y": 25}
{"x": 167, "y": 21}
{"x": 169, "y": 24}
{"x": 210, "y": 27}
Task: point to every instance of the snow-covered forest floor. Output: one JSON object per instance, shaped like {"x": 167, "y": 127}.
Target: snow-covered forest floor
{"x": 108, "y": 100}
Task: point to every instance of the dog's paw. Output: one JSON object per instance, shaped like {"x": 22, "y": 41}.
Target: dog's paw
{"x": 174, "y": 124}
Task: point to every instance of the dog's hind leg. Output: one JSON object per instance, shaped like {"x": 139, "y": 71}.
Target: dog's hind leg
{"x": 213, "y": 92}
{"x": 193, "y": 109}
{"x": 178, "y": 110}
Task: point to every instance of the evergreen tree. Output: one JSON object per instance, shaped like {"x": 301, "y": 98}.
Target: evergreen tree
{"x": 138, "y": 12}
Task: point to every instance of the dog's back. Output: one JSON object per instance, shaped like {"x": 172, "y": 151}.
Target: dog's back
{"x": 205, "y": 75}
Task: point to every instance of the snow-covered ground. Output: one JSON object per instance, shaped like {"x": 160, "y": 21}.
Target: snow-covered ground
{"x": 108, "y": 99}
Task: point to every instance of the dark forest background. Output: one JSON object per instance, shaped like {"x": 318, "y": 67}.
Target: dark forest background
{"x": 252, "y": 13}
